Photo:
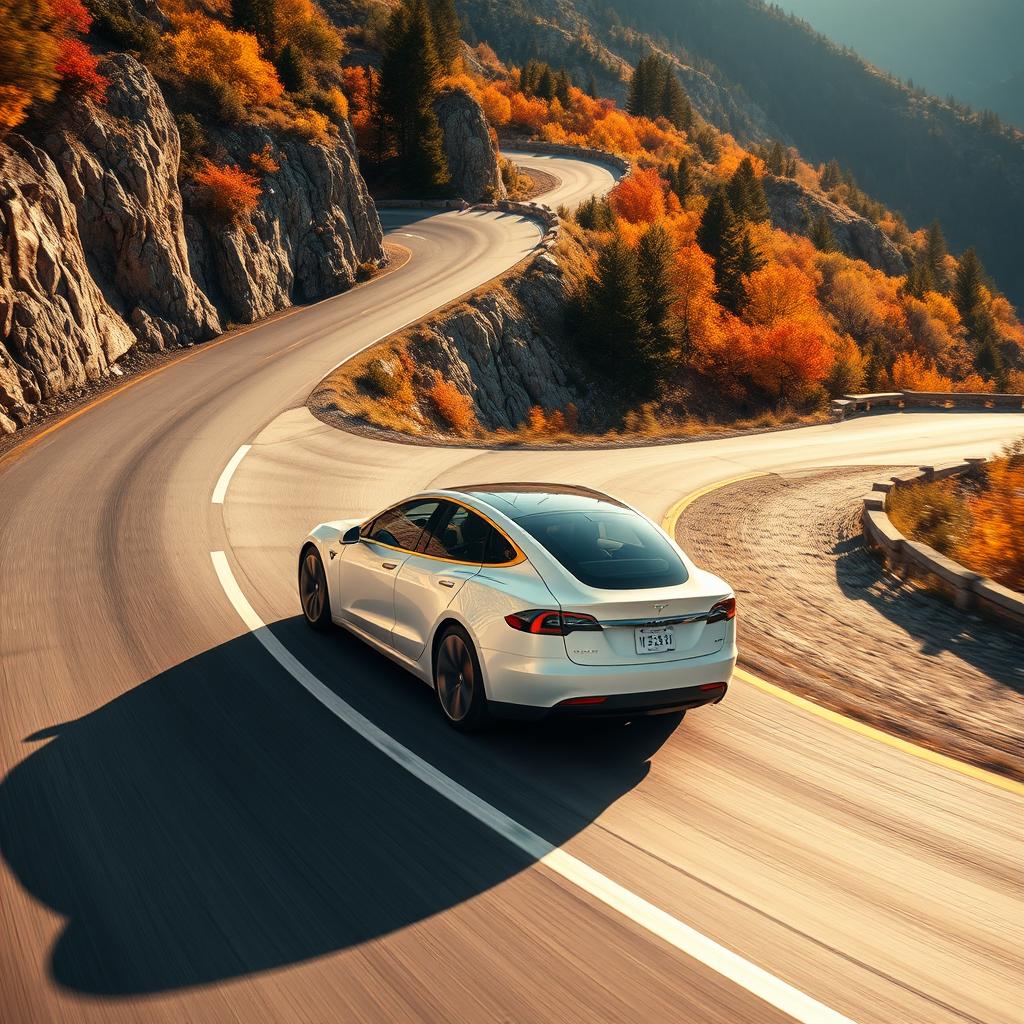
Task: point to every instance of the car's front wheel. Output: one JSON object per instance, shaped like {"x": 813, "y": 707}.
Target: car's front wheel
{"x": 316, "y": 602}
{"x": 458, "y": 682}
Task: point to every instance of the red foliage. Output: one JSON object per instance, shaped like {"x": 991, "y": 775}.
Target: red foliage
{"x": 70, "y": 16}
{"x": 231, "y": 193}
{"x": 640, "y": 198}
{"x": 77, "y": 67}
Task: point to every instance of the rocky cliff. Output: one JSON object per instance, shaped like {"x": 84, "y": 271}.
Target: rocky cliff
{"x": 470, "y": 147}
{"x": 795, "y": 208}
{"x": 507, "y": 348}
{"x": 56, "y": 329}
{"x": 100, "y": 251}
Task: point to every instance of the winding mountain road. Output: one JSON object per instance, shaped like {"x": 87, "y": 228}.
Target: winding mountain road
{"x": 188, "y": 835}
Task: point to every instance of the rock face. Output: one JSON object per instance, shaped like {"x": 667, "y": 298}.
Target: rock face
{"x": 506, "y": 349}
{"x": 56, "y": 328}
{"x": 100, "y": 252}
{"x": 795, "y": 208}
{"x": 315, "y": 224}
{"x": 471, "y": 150}
{"x": 119, "y": 162}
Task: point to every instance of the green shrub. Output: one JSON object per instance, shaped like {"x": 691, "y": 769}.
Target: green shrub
{"x": 381, "y": 377}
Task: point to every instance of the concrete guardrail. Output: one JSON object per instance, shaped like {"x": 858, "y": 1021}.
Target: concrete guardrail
{"x": 969, "y": 590}
{"x": 848, "y": 405}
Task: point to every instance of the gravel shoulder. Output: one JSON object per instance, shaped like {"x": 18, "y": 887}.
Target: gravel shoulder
{"x": 820, "y": 616}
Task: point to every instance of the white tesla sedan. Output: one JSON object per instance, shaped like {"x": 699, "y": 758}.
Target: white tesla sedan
{"x": 519, "y": 600}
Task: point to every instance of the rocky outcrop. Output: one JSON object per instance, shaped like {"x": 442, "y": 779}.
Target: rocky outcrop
{"x": 56, "y": 329}
{"x": 507, "y": 350}
{"x": 315, "y": 224}
{"x": 100, "y": 252}
{"x": 470, "y": 147}
{"x": 119, "y": 161}
{"x": 795, "y": 208}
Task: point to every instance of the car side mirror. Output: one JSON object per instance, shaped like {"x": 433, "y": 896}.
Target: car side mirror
{"x": 351, "y": 536}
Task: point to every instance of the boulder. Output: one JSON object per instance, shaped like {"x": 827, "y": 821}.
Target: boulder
{"x": 470, "y": 147}
{"x": 795, "y": 208}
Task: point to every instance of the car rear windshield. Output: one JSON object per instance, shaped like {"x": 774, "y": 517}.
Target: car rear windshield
{"x": 608, "y": 550}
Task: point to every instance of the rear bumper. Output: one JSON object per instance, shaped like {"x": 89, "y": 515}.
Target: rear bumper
{"x": 524, "y": 688}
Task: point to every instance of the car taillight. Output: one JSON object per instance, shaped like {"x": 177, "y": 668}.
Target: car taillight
{"x": 545, "y": 622}
{"x": 723, "y": 611}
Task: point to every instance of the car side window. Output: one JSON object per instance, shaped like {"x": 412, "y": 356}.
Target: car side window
{"x": 462, "y": 535}
{"x": 403, "y": 525}
{"x": 459, "y": 534}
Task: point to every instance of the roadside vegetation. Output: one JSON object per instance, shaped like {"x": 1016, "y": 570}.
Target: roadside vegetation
{"x": 979, "y": 523}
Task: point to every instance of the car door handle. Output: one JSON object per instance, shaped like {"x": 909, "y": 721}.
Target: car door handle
{"x": 447, "y": 583}
{"x": 389, "y": 565}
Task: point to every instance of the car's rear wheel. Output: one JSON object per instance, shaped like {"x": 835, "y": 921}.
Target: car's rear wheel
{"x": 458, "y": 682}
{"x": 313, "y": 595}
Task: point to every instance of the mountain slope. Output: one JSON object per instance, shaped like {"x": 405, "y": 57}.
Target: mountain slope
{"x": 918, "y": 154}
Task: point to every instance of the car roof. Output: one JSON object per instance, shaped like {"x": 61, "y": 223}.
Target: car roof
{"x": 518, "y": 500}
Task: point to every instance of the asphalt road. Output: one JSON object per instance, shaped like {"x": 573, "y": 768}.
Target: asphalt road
{"x": 188, "y": 835}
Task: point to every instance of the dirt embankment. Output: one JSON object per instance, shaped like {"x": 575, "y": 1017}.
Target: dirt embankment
{"x": 819, "y": 615}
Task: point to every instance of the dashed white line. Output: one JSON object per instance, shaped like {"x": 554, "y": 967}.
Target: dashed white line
{"x": 724, "y": 962}
{"x": 221, "y": 490}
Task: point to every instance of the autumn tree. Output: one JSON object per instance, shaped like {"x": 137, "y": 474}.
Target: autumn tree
{"x": 640, "y": 197}
{"x": 409, "y": 83}
{"x": 721, "y": 237}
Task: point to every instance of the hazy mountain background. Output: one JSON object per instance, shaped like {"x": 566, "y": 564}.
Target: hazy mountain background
{"x": 972, "y": 49}
{"x": 760, "y": 72}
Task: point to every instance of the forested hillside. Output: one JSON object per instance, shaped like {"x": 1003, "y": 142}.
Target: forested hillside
{"x": 759, "y": 74}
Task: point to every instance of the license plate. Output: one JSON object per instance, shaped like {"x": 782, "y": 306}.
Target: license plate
{"x": 654, "y": 639}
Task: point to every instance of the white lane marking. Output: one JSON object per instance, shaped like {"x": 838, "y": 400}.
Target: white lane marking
{"x": 723, "y": 961}
{"x": 221, "y": 490}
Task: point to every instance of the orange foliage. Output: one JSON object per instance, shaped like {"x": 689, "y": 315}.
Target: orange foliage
{"x": 77, "y": 67}
{"x": 70, "y": 16}
{"x": 201, "y": 46}
{"x": 639, "y": 198}
{"x": 995, "y": 543}
{"x": 777, "y": 292}
{"x": 497, "y": 106}
{"x": 229, "y": 192}
{"x": 910, "y": 372}
{"x": 265, "y": 161}
{"x": 455, "y": 408}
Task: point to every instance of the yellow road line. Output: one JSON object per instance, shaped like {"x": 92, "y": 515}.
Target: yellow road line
{"x": 670, "y": 523}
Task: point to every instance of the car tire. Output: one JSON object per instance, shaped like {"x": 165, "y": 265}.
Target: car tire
{"x": 313, "y": 594}
{"x": 459, "y": 683}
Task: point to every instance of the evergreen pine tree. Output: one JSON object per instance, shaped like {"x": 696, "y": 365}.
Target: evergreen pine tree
{"x": 409, "y": 74}
{"x": 675, "y": 104}
{"x": 638, "y": 88}
{"x": 721, "y": 237}
{"x": 447, "y": 31}
{"x": 821, "y": 234}
{"x": 776, "y": 159}
{"x": 746, "y": 194}
{"x": 562, "y": 86}
{"x": 934, "y": 255}
{"x": 292, "y": 68}
{"x": 750, "y": 258}
{"x": 615, "y": 329}
{"x": 680, "y": 179}
{"x": 592, "y": 86}
{"x": 257, "y": 17}
{"x": 655, "y": 259}
{"x": 831, "y": 176}
{"x": 970, "y": 301}
{"x": 919, "y": 279}
{"x": 545, "y": 88}
{"x": 987, "y": 361}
